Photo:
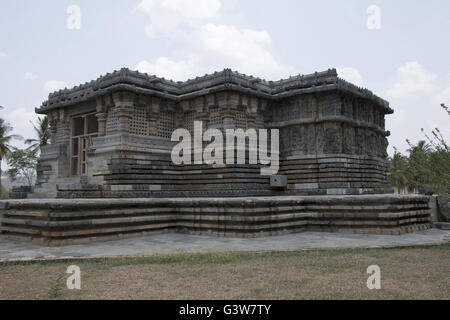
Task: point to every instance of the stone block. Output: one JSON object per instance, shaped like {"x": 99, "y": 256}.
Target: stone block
{"x": 336, "y": 192}
{"x": 443, "y": 207}
{"x": 306, "y": 186}
{"x": 278, "y": 181}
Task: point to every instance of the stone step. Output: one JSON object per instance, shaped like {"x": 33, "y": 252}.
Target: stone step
{"x": 442, "y": 225}
{"x": 55, "y": 222}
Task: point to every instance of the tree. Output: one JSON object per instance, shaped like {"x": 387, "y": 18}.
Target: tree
{"x": 22, "y": 163}
{"x": 5, "y": 140}
{"x": 422, "y": 147}
{"x": 419, "y": 155}
{"x": 401, "y": 176}
{"x": 42, "y": 129}
{"x": 438, "y": 167}
{"x": 427, "y": 164}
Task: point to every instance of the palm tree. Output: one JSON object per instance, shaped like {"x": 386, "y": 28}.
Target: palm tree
{"x": 5, "y": 139}
{"x": 42, "y": 129}
{"x": 400, "y": 172}
{"x": 419, "y": 156}
{"x": 422, "y": 147}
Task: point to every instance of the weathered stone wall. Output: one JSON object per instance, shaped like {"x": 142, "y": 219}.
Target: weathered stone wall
{"x": 313, "y": 152}
{"x": 333, "y": 143}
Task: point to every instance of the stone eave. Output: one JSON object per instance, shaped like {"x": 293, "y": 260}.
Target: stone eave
{"x": 140, "y": 83}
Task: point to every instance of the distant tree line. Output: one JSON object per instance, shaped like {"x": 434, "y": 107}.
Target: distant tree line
{"x": 426, "y": 165}
{"x": 22, "y": 163}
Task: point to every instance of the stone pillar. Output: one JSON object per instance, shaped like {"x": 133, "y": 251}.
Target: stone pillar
{"x": 210, "y": 101}
{"x": 184, "y": 107}
{"x": 228, "y": 103}
{"x": 201, "y": 111}
{"x": 124, "y": 103}
{"x": 53, "y": 121}
{"x": 267, "y": 111}
{"x": 65, "y": 131}
{"x": 222, "y": 103}
{"x": 251, "y": 107}
{"x": 124, "y": 113}
{"x": 153, "y": 116}
{"x": 101, "y": 117}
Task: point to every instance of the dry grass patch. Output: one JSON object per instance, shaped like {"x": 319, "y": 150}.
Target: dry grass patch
{"x": 412, "y": 273}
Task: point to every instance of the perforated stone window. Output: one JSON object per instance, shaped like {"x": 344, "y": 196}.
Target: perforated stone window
{"x": 215, "y": 118}
{"x": 139, "y": 122}
{"x": 112, "y": 122}
{"x": 188, "y": 120}
{"x": 166, "y": 124}
{"x": 241, "y": 119}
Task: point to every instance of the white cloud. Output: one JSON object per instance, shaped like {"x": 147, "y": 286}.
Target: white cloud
{"x": 21, "y": 115}
{"x": 215, "y": 47}
{"x": 146, "y": 6}
{"x": 195, "y": 9}
{"x": 219, "y": 47}
{"x": 443, "y": 97}
{"x": 167, "y": 15}
{"x": 53, "y": 85}
{"x": 241, "y": 49}
{"x": 30, "y": 76}
{"x": 351, "y": 75}
{"x": 2, "y": 54}
{"x": 173, "y": 70}
{"x": 413, "y": 80}
{"x": 20, "y": 119}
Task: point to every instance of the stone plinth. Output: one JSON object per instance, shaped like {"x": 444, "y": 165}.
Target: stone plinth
{"x": 59, "y": 222}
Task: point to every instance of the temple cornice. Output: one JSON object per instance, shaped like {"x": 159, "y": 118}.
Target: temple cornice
{"x": 141, "y": 83}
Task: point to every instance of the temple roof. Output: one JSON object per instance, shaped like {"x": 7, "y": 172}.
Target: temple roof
{"x": 227, "y": 79}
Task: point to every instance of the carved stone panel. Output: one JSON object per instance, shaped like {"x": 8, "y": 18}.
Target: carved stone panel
{"x": 332, "y": 137}
{"x": 348, "y": 142}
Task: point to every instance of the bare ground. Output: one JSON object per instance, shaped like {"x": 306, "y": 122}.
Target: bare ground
{"x": 413, "y": 273}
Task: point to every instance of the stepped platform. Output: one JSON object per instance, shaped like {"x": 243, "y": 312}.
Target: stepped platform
{"x": 55, "y": 222}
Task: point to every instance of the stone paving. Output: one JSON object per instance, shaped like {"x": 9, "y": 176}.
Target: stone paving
{"x": 176, "y": 242}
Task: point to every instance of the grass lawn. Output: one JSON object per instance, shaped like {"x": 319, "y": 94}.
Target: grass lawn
{"x": 408, "y": 273}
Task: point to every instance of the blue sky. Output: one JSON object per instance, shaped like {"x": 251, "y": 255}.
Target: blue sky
{"x": 405, "y": 61}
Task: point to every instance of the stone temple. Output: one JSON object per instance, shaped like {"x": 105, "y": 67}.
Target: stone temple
{"x": 111, "y": 139}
